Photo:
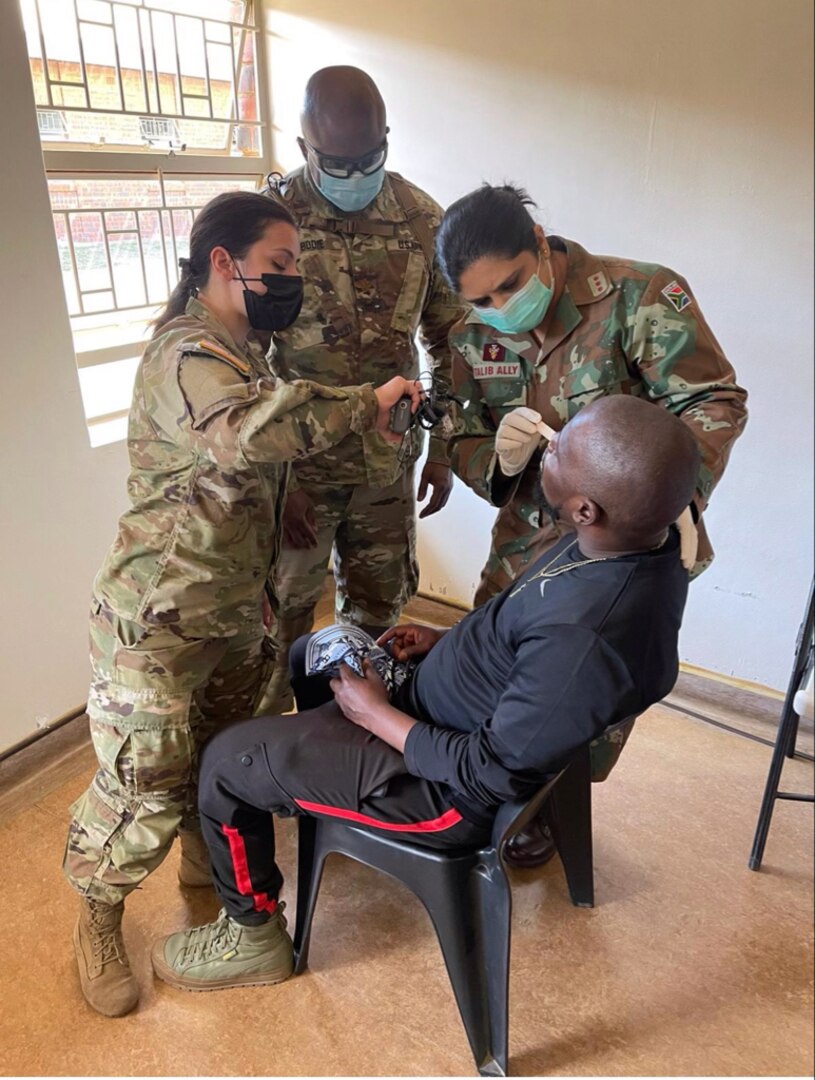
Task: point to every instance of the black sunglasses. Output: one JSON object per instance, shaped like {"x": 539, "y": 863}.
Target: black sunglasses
{"x": 343, "y": 168}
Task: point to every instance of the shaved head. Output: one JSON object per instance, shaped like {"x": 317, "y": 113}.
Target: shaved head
{"x": 636, "y": 463}
{"x": 343, "y": 112}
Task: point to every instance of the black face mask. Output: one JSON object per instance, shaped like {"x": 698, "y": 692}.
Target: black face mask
{"x": 278, "y": 307}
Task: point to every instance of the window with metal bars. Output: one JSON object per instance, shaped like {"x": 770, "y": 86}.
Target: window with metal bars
{"x": 146, "y": 110}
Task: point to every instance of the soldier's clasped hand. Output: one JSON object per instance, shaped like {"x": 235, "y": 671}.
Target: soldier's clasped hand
{"x": 387, "y": 395}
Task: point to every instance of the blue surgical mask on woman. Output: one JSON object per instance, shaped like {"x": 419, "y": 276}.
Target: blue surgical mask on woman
{"x": 523, "y": 311}
{"x": 351, "y": 193}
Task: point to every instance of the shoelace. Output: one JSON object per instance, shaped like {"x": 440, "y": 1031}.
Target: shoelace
{"x": 205, "y": 940}
{"x": 212, "y": 938}
{"x": 107, "y": 943}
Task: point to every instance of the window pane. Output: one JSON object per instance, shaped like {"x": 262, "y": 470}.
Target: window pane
{"x": 104, "y": 193}
{"x": 100, "y": 64}
{"x": 229, "y": 10}
{"x": 126, "y": 267}
{"x": 65, "y": 264}
{"x": 95, "y": 10}
{"x": 60, "y": 32}
{"x": 98, "y": 301}
{"x": 107, "y": 388}
{"x": 110, "y": 65}
{"x": 109, "y": 431}
{"x": 119, "y": 239}
{"x": 116, "y": 222}
{"x": 88, "y": 240}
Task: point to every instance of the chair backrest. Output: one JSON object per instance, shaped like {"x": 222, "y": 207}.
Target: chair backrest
{"x": 512, "y": 816}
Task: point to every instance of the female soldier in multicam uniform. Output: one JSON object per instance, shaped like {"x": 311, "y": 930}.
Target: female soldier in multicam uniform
{"x": 176, "y": 626}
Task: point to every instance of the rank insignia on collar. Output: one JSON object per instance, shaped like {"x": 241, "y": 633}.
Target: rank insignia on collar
{"x": 493, "y": 353}
{"x": 677, "y": 296}
{"x": 598, "y": 283}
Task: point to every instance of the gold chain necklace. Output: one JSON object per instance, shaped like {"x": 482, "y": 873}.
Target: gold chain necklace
{"x": 558, "y": 570}
{"x": 545, "y": 573}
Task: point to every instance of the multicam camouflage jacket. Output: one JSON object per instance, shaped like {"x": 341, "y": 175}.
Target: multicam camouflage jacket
{"x": 210, "y": 433}
{"x": 620, "y": 327}
{"x": 370, "y": 286}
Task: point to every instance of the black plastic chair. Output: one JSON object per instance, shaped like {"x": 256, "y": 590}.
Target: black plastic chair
{"x": 466, "y": 893}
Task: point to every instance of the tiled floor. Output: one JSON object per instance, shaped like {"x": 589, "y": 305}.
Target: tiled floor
{"x": 689, "y": 965}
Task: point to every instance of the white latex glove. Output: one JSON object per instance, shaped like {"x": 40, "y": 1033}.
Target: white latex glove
{"x": 518, "y": 437}
{"x": 688, "y": 539}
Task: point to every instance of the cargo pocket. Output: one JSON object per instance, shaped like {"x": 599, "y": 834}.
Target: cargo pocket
{"x": 99, "y": 816}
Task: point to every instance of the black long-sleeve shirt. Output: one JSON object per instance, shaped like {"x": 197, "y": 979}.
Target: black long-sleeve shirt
{"x": 519, "y": 684}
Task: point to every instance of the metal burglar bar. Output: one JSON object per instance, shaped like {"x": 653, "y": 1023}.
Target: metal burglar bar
{"x": 120, "y": 237}
{"x": 146, "y": 109}
{"x": 106, "y": 65}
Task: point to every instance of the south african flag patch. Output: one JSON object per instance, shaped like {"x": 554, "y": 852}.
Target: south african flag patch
{"x": 677, "y": 296}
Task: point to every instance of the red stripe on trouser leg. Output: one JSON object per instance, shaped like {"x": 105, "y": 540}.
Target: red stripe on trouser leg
{"x": 240, "y": 866}
{"x": 445, "y": 821}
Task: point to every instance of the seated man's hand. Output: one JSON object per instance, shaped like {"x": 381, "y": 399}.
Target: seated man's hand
{"x": 299, "y": 521}
{"x": 359, "y": 698}
{"x": 410, "y": 640}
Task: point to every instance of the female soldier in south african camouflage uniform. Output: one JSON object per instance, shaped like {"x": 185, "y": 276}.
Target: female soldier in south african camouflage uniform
{"x": 551, "y": 328}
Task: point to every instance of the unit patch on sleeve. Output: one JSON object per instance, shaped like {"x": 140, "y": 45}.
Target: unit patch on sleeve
{"x": 677, "y": 296}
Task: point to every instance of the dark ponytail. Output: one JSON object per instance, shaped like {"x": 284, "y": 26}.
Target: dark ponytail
{"x": 234, "y": 220}
{"x": 489, "y": 222}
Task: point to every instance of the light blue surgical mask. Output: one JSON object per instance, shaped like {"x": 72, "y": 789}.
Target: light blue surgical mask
{"x": 351, "y": 193}
{"x": 523, "y": 311}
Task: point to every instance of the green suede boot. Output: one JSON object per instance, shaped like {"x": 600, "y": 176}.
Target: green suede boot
{"x": 226, "y": 953}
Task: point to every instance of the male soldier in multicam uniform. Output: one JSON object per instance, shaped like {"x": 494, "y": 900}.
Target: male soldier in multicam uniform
{"x": 614, "y": 326}
{"x": 370, "y": 285}
{"x": 177, "y": 640}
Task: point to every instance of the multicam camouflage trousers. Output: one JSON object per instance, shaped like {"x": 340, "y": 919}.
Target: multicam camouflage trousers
{"x": 373, "y": 535}
{"x": 156, "y": 696}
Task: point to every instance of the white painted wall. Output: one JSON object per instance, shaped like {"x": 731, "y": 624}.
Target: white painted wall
{"x": 681, "y": 135}
{"x": 59, "y": 499}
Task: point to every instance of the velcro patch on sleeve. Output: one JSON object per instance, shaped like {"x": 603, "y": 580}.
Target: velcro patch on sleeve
{"x": 211, "y": 348}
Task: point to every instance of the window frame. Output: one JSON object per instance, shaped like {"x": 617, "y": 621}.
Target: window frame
{"x": 63, "y": 161}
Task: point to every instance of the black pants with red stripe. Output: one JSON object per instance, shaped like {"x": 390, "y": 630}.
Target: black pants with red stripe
{"x": 313, "y": 762}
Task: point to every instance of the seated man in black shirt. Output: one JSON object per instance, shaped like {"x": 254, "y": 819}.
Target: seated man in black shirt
{"x": 584, "y": 638}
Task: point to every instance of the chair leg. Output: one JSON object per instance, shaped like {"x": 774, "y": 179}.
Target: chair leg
{"x": 495, "y": 918}
{"x": 471, "y": 916}
{"x": 309, "y": 875}
{"x": 568, "y": 812}
{"x": 787, "y": 729}
{"x": 785, "y": 736}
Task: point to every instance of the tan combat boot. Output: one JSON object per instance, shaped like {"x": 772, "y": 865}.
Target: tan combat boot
{"x": 108, "y": 984}
{"x": 194, "y": 868}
